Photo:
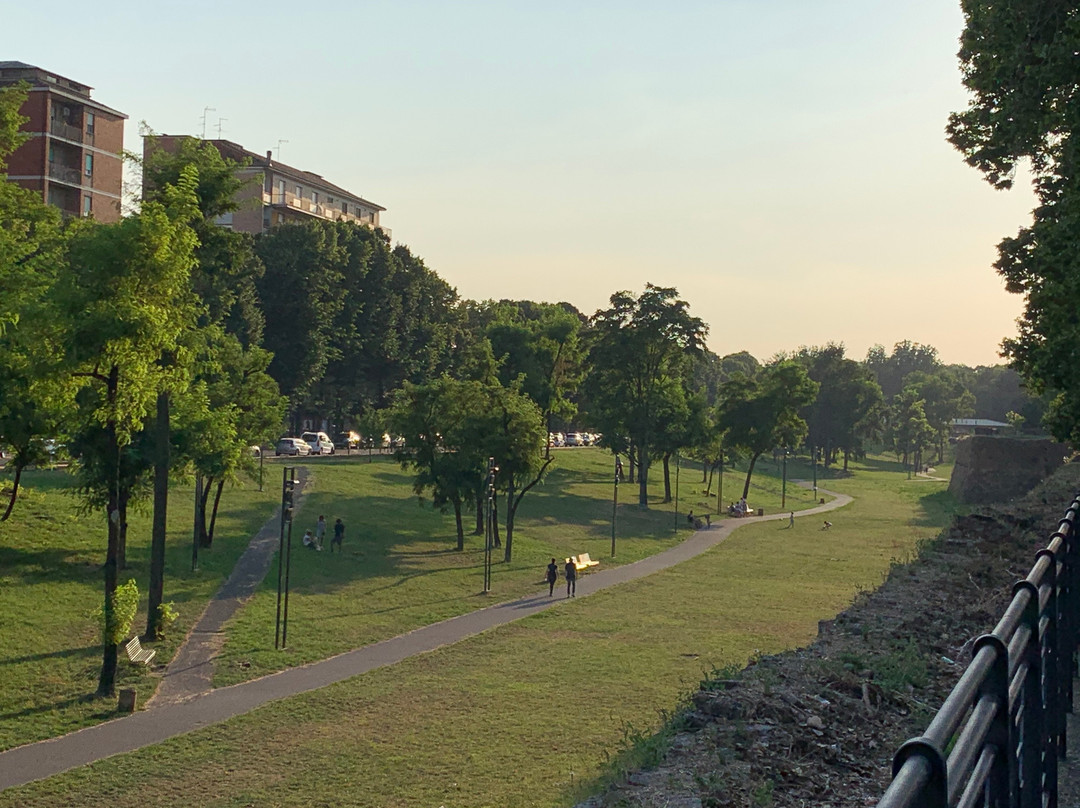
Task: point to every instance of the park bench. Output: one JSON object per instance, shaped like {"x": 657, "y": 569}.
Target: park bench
{"x": 582, "y": 562}
{"x": 136, "y": 653}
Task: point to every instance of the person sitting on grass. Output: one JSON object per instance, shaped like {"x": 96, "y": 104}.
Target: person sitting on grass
{"x": 827, "y": 525}
{"x": 309, "y": 541}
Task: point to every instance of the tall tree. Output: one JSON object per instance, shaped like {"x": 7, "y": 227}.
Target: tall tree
{"x": 890, "y": 369}
{"x": 637, "y": 347}
{"x": 1019, "y": 65}
{"x": 124, "y": 299}
{"x": 944, "y": 398}
{"x": 762, "y": 413}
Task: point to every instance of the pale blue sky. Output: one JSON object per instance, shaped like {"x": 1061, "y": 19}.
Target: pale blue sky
{"x": 781, "y": 162}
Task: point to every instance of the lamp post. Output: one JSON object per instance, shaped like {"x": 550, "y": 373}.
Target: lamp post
{"x": 720, "y": 486}
{"x": 198, "y": 524}
{"x": 288, "y": 487}
{"x": 813, "y": 460}
{"x": 676, "y": 492}
{"x": 489, "y": 522}
{"x": 783, "y": 485}
{"x": 615, "y": 503}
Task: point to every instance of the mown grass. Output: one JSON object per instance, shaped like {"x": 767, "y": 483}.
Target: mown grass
{"x": 527, "y": 714}
{"x": 51, "y": 556}
{"x": 400, "y": 568}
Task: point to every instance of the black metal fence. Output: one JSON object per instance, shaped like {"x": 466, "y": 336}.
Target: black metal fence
{"x": 997, "y": 739}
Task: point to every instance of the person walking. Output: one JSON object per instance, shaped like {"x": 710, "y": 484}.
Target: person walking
{"x": 320, "y": 530}
{"x": 791, "y": 520}
{"x": 339, "y": 534}
{"x": 552, "y": 576}
{"x": 570, "y": 571}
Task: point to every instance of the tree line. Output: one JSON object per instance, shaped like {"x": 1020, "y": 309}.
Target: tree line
{"x": 165, "y": 345}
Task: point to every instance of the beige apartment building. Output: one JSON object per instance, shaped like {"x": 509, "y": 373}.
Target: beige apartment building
{"x": 279, "y": 194}
{"x": 73, "y": 155}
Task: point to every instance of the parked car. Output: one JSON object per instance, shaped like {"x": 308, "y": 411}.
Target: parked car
{"x": 574, "y": 439}
{"x": 344, "y": 441}
{"x": 319, "y": 442}
{"x": 292, "y": 446}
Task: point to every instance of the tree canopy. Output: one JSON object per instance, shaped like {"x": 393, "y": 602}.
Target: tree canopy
{"x": 1019, "y": 64}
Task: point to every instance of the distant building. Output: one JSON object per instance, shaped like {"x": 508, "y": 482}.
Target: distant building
{"x": 279, "y": 194}
{"x": 978, "y": 426}
{"x": 73, "y": 155}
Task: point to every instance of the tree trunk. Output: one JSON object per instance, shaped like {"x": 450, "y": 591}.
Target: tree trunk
{"x": 845, "y": 459}
{"x": 632, "y": 462}
{"x": 510, "y": 508}
{"x": 497, "y": 539}
{"x": 479, "y": 531}
{"x": 204, "y": 538}
{"x": 457, "y": 519}
{"x": 667, "y": 476}
{"x": 161, "y": 501}
{"x": 107, "y": 679}
{"x": 14, "y": 491}
{"x": 121, "y": 548}
{"x": 643, "y": 476}
{"x": 749, "y": 474}
{"x": 213, "y": 513}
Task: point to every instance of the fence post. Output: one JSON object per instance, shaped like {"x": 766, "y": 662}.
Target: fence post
{"x": 1030, "y": 707}
{"x": 1003, "y": 775}
{"x": 936, "y": 792}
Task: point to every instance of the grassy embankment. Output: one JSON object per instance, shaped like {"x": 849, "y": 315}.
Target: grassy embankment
{"x": 513, "y": 716}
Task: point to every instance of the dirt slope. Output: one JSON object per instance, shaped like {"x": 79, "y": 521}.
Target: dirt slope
{"x": 818, "y": 726}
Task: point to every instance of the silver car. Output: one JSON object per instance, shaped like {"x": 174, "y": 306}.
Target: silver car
{"x": 296, "y": 447}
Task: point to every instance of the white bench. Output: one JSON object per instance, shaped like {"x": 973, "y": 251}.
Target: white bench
{"x": 136, "y": 653}
{"x": 582, "y": 562}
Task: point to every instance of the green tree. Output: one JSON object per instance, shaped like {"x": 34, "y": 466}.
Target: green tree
{"x": 637, "y": 347}
{"x": 444, "y": 424}
{"x": 911, "y": 432}
{"x": 891, "y": 369}
{"x": 762, "y": 413}
{"x": 944, "y": 398}
{"x": 1019, "y": 65}
{"x": 124, "y": 300}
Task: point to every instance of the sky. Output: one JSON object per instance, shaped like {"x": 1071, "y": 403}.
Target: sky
{"x": 782, "y": 163}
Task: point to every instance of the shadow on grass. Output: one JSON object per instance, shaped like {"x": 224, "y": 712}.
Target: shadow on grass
{"x": 938, "y": 509}
{"x": 67, "y": 653}
{"x": 53, "y": 706}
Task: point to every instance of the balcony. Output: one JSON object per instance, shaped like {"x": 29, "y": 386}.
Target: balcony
{"x": 294, "y": 203}
{"x": 65, "y": 174}
{"x": 65, "y": 130}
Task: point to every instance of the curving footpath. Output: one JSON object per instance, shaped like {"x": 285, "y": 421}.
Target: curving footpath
{"x": 180, "y": 711}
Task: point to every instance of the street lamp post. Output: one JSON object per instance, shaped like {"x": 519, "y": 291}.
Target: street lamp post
{"x": 615, "y": 503}
{"x": 720, "y": 485}
{"x": 813, "y": 460}
{"x": 783, "y": 485}
{"x": 676, "y": 492}
{"x": 288, "y": 487}
{"x": 489, "y": 522}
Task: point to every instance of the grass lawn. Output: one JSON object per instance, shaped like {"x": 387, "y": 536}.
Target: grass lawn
{"x": 527, "y": 714}
{"x": 400, "y": 568}
{"x": 51, "y": 582}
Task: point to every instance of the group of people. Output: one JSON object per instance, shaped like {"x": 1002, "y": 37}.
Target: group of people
{"x": 569, "y": 572}
{"x": 739, "y": 508}
{"x": 315, "y": 541}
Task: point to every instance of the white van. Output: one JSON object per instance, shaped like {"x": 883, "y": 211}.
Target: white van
{"x": 319, "y": 442}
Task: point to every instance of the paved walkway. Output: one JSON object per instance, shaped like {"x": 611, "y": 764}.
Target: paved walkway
{"x": 173, "y": 716}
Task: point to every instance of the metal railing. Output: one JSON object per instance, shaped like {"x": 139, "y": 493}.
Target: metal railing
{"x": 1004, "y": 722}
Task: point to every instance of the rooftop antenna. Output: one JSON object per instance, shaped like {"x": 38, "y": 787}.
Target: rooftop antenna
{"x": 205, "y": 110}
{"x": 219, "y": 121}
{"x": 279, "y": 148}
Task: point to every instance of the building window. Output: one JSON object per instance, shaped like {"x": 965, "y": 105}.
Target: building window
{"x": 89, "y": 123}
{"x": 281, "y": 192}
{"x": 315, "y": 198}
{"x": 89, "y": 165}
{"x": 299, "y": 191}
{"x": 345, "y": 208}
{"x": 87, "y": 205}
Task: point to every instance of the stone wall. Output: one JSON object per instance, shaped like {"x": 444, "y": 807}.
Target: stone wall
{"x": 992, "y": 469}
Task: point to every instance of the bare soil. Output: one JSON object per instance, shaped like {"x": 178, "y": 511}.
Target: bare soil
{"x": 818, "y": 726}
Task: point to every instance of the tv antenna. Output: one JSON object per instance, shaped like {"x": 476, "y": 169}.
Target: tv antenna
{"x": 219, "y": 127}
{"x": 205, "y": 110}
{"x": 278, "y": 150}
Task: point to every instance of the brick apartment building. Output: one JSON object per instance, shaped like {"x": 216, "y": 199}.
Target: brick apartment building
{"x": 277, "y": 193}
{"x": 72, "y": 157}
